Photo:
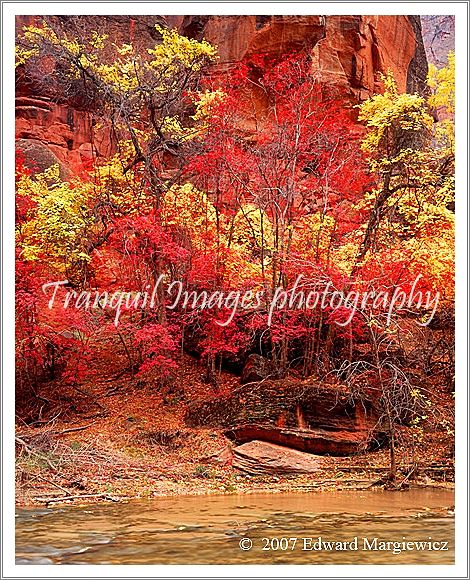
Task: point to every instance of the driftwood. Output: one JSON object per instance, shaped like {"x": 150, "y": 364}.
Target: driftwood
{"x": 48, "y": 500}
{"x": 376, "y": 468}
{"x": 72, "y": 429}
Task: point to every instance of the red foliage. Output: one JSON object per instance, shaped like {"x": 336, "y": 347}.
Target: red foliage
{"x": 158, "y": 348}
{"x": 274, "y": 143}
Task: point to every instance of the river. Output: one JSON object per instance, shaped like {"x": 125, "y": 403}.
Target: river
{"x": 301, "y": 528}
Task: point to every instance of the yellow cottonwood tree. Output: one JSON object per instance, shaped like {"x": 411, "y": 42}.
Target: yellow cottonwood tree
{"x": 59, "y": 222}
{"x": 442, "y": 84}
{"x": 414, "y": 174}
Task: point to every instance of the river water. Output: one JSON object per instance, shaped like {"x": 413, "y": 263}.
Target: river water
{"x": 307, "y": 528}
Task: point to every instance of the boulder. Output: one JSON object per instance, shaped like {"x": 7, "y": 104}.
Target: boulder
{"x": 38, "y": 157}
{"x": 317, "y": 441}
{"x": 223, "y": 457}
{"x": 260, "y": 458}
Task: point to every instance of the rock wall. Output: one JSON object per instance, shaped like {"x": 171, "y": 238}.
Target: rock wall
{"x": 310, "y": 417}
{"x": 286, "y": 404}
{"x": 349, "y": 52}
{"x": 438, "y": 37}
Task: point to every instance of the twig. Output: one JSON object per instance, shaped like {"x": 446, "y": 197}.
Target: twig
{"x": 66, "y": 491}
{"x": 72, "y": 429}
{"x": 46, "y": 420}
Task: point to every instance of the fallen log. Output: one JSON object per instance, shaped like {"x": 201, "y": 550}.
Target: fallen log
{"x": 51, "y": 433}
{"x": 48, "y": 500}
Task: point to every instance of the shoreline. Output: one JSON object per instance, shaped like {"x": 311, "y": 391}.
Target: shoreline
{"x": 196, "y": 488}
{"x": 138, "y": 445}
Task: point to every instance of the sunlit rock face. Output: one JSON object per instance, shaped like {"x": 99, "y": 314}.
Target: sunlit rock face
{"x": 348, "y": 51}
{"x": 348, "y": 55}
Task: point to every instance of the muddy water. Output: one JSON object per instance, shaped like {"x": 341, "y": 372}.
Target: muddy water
{"x": 314, "y": 528}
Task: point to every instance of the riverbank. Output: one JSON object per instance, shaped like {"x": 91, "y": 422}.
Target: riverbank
{"x": 76, "y": 463}
{"x": 125, "y": 438}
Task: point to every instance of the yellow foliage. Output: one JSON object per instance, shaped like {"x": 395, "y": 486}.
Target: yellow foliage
{"x": 413, "y": 159}
{"x": 124, "y": 190}
{"x": 192, "y": 211}
{"x": 22, "y": 55}
{"x": 123, "y": 75}
{"x": 135, "y": 92}
{"x": 179, "y": 51}
{"x": 311, "y": 236}
{"x": 205, "y": 102}
{"x": 388, "y": 114}
{"x": 433, "y": 256}
{"x": 442, "y": 83}
{"x": 344, "y": 256}
{"x": 251, "y": 230}
{"x": 59, "y": 222}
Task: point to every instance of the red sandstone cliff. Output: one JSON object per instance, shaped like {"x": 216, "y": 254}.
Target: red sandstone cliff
{"x": 348, "y": 53}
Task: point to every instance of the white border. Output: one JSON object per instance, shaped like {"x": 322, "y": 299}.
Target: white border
{"x": 332, "y": 8}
